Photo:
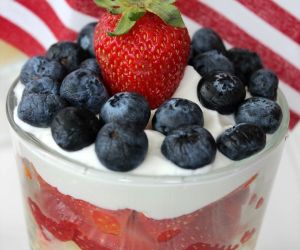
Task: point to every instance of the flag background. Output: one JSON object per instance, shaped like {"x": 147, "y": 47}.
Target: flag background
{"x": 272, "y": 28}
{"x": 28, "y": 27}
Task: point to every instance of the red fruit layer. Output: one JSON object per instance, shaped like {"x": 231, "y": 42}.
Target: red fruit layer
{"x": 92, "y": 228}
{"x": 149, "y": 60}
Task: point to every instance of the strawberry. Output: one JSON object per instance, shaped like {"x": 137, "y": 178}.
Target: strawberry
{"x": 204, "y": 246}
{"x": 214, "y": 227}
{"x": 87, "y": 244}
{"x": 142, "y": 46}
{"x": 70, "y": 219}
{"x": 63, "y": 230}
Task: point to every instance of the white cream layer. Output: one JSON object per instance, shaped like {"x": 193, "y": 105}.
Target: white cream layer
{"x": 155, "y": 163}
{"x": 157, "y": 201}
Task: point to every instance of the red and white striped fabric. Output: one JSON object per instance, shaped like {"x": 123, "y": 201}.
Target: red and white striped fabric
{"x": 272, "y": 28}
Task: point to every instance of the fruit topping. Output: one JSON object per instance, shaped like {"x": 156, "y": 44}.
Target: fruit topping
{"x": 206, "y": 39}
{"x": 245, "y": 62}
{"x": 241, "y": 141}
{"x": 92, "y": 65}
{"x": 75, "y": 128}
{"x": 176, "y": 112}
{"x": 39, "y": 109}
{"x": 144, "y": 50}
{"x": 221, "y": 91}
{"x": 121, "y": 148}
{"x": 85, "y": 38}
{"x": 127, "y": 108}
{"x": 63, "y": 230}
{"x": 213, "y": 227}
{"x": 259, "y": 203}
{"x": 68, "y": 54}
{"x": 264, "y": 83}
{"x": 39, "y": 66}
{"x": 44, "y": 85}
{"x": 247, "y": 236}
{"x": 106, "y": 223}
{"x": 260, "y": 111}
{"x": 212, "y": 61}
{"x": 189, "y": 147}
{"x": 82, "y": 88}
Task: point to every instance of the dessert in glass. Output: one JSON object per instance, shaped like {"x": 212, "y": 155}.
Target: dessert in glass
{"x": 100, "y": 170}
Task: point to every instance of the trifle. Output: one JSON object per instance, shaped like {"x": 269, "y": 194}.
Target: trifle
{"x": 121, "y": 145}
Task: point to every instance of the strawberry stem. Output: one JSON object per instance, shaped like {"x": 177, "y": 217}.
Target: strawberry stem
{"x": 133, "y": 10}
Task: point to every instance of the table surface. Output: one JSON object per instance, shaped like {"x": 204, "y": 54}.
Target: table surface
{"x": 280, "y": 229}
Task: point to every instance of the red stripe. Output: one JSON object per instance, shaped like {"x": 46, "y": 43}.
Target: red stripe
{"x": 20, "y": 39}
{"x": 275, "y": 16}
{"x": 44, "y": 11}
{"x": 295, "y": 118}
{"x": 206, "y": 16}
{"x": 87, "y": 7}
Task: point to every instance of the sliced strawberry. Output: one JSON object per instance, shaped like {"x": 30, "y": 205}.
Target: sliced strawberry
{"x": 63, "y": 230}
{"x": 164, "y": 230}
{"x": 168, "y": 235}
{"x": 247, "y": 236}
{"x": 99, "y": 226}
{"x": 204, "y": 246}
{"x": 135, "y": 236}
{"x": 259, "y": 203}
{"x": 212, "y": 227}
{"x": 87, "y": 244}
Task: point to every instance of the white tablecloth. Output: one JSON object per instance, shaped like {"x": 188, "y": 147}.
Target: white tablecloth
{"x": 281, "y": 228}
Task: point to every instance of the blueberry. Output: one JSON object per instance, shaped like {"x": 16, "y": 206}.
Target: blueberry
{"x": 176, "y": 112}
{"x": 212, "y": 61}
{"x": 189, "y": 147}
{"x": 75, "y": 128}
{"x": 245, "y": 62}
{"x": 128, "y": 108}
{"x": 92, "y": 65}
{"x": 241, "y": 141}
{"x": 191, "y": 57}
{"x": 121, "y": 148}
{"x": 206, "y": 39}
{"x": 264, "y": 83}
{"x": 39, "y": 66}
{"x": 260, "y": 111}
{"x": 44, "y": 85}
{"x": 68, "y": 54}
{"x": 39, "y": 109}
{"x": 86, "y": 38}
{"x": 84, "y": 89}
{"x": 221, "y": 91}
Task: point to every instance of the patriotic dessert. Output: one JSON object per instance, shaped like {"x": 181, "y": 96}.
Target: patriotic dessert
{"x": 146, "y": 128}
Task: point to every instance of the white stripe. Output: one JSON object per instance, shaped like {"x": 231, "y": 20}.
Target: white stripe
{"x": 292, "y": 96}
{"x": 292, "y": 6}
{"x": 28, "y": 21}
{"x": 194, "y": 26}
{"x": 258, "y": 29}
{"x": 70, "y": 17}
{"x": 191, "y": 25}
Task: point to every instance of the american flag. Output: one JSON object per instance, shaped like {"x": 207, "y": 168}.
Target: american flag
{"x": 271, "y": 28}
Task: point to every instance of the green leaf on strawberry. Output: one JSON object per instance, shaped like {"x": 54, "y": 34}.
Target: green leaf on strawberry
{"x": 126, "y": 22}
{"x": 133, "y": 10}
{"x": 167, "y": 12}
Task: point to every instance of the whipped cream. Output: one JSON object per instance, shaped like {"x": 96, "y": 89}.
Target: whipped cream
{"x": 155, "y": 164}
{"x": 158, "y": 197}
